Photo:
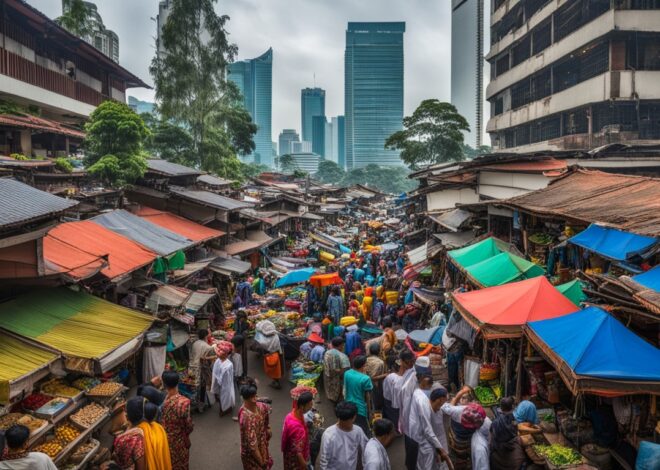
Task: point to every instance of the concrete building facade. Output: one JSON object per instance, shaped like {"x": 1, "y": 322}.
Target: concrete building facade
{"x": 254, "y": 78}
{"x": 373, "y": 92}
{"x": 467, "y": 64}
{"x": 573, "y": 74}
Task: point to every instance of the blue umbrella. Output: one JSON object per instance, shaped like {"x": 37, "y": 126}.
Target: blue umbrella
{"x": 295, "y": 277}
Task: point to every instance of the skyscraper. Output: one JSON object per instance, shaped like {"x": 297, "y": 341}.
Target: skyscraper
{"x": 287, "y": 136}
{"x": 373, "y": 91}
{"x": 100, "y": 37}
{"x": 467, "y": 64}
{"x": 312, "y": 103}
{"x": 318, "y": 135}
{"x": 338, "y": 141}
{"x": 254, "y": 78}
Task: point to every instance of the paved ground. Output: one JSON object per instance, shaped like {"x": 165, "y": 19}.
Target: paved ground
{"x": 216, "y": 441}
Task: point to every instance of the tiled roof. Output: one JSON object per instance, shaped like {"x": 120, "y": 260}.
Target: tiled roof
{"x": 22, "y": 203}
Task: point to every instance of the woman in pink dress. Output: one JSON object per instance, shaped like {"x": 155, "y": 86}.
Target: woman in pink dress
{"x": 295, "y": 435}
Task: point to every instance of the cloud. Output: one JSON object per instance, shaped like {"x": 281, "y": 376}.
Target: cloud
{"x": 308, "y": 40}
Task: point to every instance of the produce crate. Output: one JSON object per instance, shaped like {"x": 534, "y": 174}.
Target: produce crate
{"x": 88, "y": 458}
{"x": 103, "y": 416}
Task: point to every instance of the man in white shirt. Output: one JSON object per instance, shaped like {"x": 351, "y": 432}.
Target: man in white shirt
{"x": 391, "y": 386}
{"x": 432, "y": 453}
{"x": 222, "y": 385}
{"x": 18, "y": 457}
{"x": 375, "y": 455}
{"x": 406, "y": 391}
{"x": 343, "y": 443}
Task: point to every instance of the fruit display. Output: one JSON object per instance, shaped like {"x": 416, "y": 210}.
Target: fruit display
{"x": 35, "y": 401}
{"x": 59, "y": 388}
{"x": 485, "y": 395}
{"x": 85, "y": 383}
{"x": 558, "y": 455}
{"x": 51, "y": 449}
{"x": 9, "y": 420}
{"x": 65, "y": 434}
{"x": 32, "y": 423}
{"x": 105, "y": 389}
{"x": 89, "y": 415}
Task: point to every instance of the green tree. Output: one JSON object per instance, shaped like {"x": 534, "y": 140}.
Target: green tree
{"x": 471, "y": 153}
{"x": 114, "y": 145}
{"x": 287, "y": 164}
{"x": 191, "y": 85}
{"x": 433, "y": 134}
{"x": 329, "y": 172}
{"x": 76, "y": 19}
{"x": 392, "y": 180}
{"x": 252, "y": 170}
{"x": 169, "y": 141}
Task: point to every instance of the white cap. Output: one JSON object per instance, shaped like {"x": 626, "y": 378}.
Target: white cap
{"x": 423, "y": 361}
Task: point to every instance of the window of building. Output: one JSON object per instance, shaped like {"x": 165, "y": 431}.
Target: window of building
{"x": 580, "y": 66}
{"x": 576, "y": 14}
{"x": 502, "y": 64}
{"x": 520, "y": 51}
{"x": 575, "y": 122}
{"x": 643, "y": 52}
{"x": 520, "y": 94}
{"x": 542, "y": 36}
{"x": 541, "y": 85}
{"x": 649, "y": 121}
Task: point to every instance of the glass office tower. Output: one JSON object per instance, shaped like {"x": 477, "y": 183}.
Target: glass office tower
{"x": 312, "y": 103}
{"x": 373, "y": 91}
{"x": 254, "y": 77}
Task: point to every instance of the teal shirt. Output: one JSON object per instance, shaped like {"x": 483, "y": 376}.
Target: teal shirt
{"x": 355, "y": 385}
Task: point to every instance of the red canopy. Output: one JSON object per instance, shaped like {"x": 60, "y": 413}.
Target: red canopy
{"x": 322, "y": 280}
{"x": 500, "y": 311}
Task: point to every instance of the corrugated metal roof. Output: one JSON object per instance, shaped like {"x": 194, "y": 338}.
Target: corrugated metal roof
{"x": 230, "y": 266}
{"x": 166, "y": 168}
{"x": 629, "y": 203}
{"x": 124, "y": 255}
{"x": 184, "y": 227}
{"x": 208, "y": 198}
{"x": 152, "y": 236}
{"x": 22, "y": 203}
{"x": 213, "y": 180}
{"x": 40, "y": 124}
{"x": 452, "y": 220}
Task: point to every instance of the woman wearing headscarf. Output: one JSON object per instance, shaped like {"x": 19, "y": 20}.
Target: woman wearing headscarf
{"x": 525, "y": 412}
{"x": 128, "y": 450}
{"x": 157, "y": 449}
{"x": 222, "y": 385}
{"x": 269, "y": 341}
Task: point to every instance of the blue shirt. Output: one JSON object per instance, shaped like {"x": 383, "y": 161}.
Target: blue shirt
{"x": 353, "y": 342}
{"x": 358, "y": 275}
{"x": 355, "y": 385}
{"x": 317, "y": 354}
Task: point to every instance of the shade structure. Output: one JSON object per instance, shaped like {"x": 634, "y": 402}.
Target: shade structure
{"x": 295, "y": 277}
{"x": 323, "y": 280}
{"x": 489, "y": 263}
{"x": 156, "y": 238}
{"x": 500, "y": 312}
{"x": 92, "y": 334}
{"x": 502, "y": 269}
{"x": 21, "y": 364}
{"x": 595, "y": 353}
{"x": 650, "y": 279}
{"x": 70, "y": 261}
{"x": 613, "y": 244}
{"x": 124, "y": 255}
{"x": 573, "y": 290}
{"x": 184, "y": 227}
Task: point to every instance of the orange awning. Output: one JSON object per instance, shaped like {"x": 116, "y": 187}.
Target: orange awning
{"x": 323, "y": 280}
{"x": 62, "y": 258}
{"x": 124, "y": 255}
{"x": 184, "y": 227}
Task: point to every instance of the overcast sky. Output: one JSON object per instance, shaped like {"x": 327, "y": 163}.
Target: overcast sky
{"x": 307, "y": 37}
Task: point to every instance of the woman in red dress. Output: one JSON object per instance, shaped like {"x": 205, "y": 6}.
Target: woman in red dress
{"x": 253, "y": 419}
{"x": 176, "y": 419}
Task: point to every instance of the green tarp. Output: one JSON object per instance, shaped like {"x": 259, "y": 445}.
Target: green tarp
{"x": 502, "y": 269}
{"x": 573, "y": 290}
{"x": 490, "y": 264}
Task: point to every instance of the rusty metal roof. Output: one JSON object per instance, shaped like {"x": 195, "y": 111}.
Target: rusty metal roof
{"x": 629, "y": 203}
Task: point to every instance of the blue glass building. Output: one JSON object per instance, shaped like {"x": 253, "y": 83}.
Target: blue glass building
{"x": 318, "y": 135}
{"x": 254, "y": 78}
{"x": 373, "y": 92}
{"x": 312, "y": 103}
{"x": 338, "y": 129}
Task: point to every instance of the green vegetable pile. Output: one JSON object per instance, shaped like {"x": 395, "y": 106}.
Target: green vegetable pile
{"x": 541, "y": 238}
{"x": 558, "y": 455}
{"x": 485, "y": 395}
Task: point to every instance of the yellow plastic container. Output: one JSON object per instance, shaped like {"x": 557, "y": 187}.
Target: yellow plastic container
{"x": 325, "y": 256}
{"x": 348, "y": 321}
{"x": 392, "y": 297}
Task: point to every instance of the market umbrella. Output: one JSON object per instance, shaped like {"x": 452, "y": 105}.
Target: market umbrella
{"x": 500, "y": 312}
{"x": 295, "y": 277}
{"x": 596, "y": 353}
{"x": 573, "y": 290}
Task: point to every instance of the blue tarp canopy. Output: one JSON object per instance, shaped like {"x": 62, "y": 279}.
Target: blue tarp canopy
{"x": 649, "y": 279}
{"x": 295, "y": 277}
{"x": 594, "y": 352}
{"x": 611, "y": 243}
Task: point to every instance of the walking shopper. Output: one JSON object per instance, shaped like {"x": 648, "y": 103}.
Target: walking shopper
{"x": 376, "y": 370}
{"x": 223, "y": 378}
{"x": 335, "y": 364}
{"x": 176, "y": 419}
{"x": 391, "y": 386}
{"x": 201, "y": 356}
{"x": 406, "y": 391}
{"x": 432, "y": 453}
{"x": 295, "y": 435}
{"x": 335, "y": 305}
{"x": 357, "y": 389}
{"x": 156, "y": 448}
{"x": 129, "y": 447}
{"x": 253, "y": 419}
{"x": 269, "y": 341}
{"x": 18, "y": 457}
{"x": 342, "y": 443}
{"x": 375, "y": 456}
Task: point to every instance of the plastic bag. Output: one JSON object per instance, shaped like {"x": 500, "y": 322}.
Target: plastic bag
{"x": 471, "y": 372}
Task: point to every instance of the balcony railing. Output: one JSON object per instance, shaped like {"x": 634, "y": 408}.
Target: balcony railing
{"x": 27, "y": 71}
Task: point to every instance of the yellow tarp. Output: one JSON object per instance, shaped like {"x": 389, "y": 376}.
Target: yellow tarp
{"x": 17, "y": 359}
